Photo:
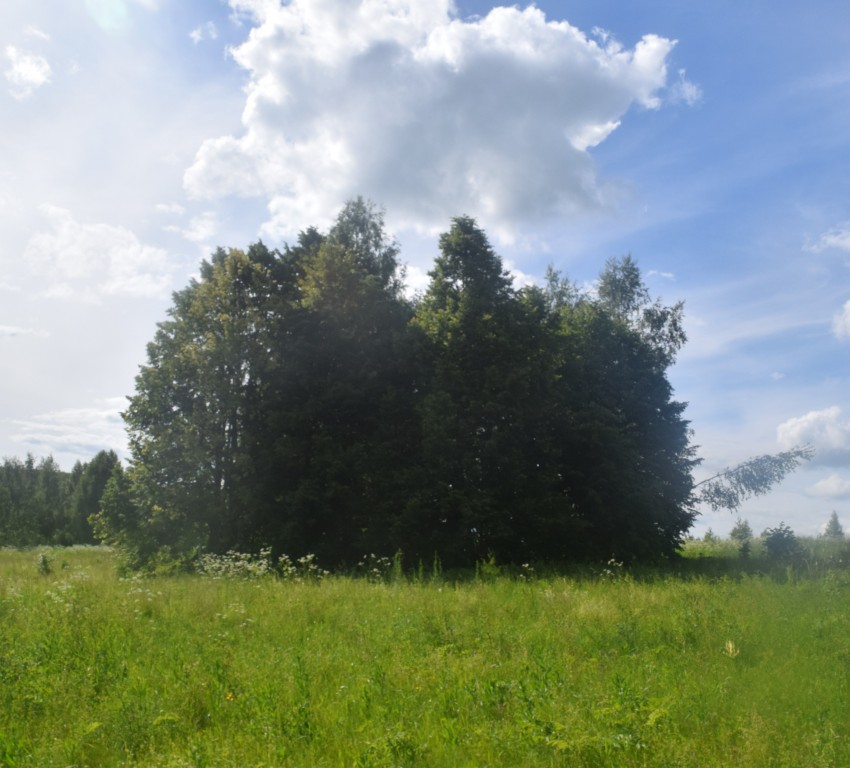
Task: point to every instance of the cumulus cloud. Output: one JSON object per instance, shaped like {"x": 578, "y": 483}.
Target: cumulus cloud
{"x": 403, "y": 102}
{"x": 841, "y": 322}
{"x": 92, "y": 260}
{"x": 827, "y": 431}
{"x": 832, "y": 487}
{"x": 26, "y": 72}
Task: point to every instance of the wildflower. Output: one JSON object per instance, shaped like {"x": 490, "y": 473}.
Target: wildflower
{"x": 730, "y": 649}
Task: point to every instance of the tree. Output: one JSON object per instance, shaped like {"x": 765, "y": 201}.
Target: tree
{"x": 742, "y": 533}
{"x": 272, "y": 406}
{"x": 89, "y": 482}
{"x": 296, "y": 399}
{"x": 780, "y": 542}
{"x": 833, "y": 528}
{"x": 475, "y": 373}
{"x": 625, "y": 297}
{"x": 200, "y": 402}
{"x": 629, "y": 457}
{"x": 755, "y": 477}
{"x": 343, "y": 408}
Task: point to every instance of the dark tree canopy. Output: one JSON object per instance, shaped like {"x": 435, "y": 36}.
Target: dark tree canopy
{"x": 297, "y": 399}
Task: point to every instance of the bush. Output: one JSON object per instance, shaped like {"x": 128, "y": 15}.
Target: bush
{"x": 781, "y": 543}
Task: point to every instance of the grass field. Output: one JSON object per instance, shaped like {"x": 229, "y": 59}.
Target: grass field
{"x": 496, "y": 671}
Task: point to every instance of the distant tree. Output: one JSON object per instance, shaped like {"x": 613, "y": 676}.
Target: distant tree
{"x": 88, "y": 483}
{"x": 34, "y": 498}
{"x": 780, "y": 542}
{"x": 742, "y": 533}
{"x": 833, "y": 528}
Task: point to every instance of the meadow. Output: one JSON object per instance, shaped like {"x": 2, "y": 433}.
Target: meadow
{"x": 604, "y": 668}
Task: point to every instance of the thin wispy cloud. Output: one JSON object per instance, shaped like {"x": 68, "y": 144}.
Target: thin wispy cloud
{"x": 206, "y": 31}
{"x": 841, "y": 322}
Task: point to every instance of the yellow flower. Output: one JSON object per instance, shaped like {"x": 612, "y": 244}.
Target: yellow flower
{"x": 230, "y": 696}
{"x": 730, "y": 649}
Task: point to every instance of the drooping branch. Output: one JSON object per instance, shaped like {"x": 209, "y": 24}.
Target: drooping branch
{"x": 755, "y": 477}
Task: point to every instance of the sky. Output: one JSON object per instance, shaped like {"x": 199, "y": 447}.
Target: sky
{"x": 711, "y": 141}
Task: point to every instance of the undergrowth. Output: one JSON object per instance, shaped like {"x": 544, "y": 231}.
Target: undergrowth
{"x": 513, "y": 667}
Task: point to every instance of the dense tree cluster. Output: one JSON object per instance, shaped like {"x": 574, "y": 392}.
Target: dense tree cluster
{"x": 41, "y": 504}
{"x": 298, "y": 399}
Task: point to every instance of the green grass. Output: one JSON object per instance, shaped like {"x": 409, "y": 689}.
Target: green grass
{"x": 611, "y": 671}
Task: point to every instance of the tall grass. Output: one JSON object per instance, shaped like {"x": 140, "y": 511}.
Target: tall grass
{"x": 497, "y": 671}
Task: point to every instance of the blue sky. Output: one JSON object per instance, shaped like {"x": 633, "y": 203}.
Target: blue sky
{"x": 710, "y": 141}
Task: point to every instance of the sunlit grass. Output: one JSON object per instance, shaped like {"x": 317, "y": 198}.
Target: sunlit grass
{"x": 609, "y": 671}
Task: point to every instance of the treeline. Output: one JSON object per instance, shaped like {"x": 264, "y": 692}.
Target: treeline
{"x": 41, "y": 504}
{"x": 297, "y": 399}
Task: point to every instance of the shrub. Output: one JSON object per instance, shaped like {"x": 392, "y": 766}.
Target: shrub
{"x": 780, "y": 542}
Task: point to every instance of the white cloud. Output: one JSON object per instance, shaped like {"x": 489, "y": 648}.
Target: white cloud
{"x": 36, "y": 32}
{"x": 91, "y": 260}
{"x": 26, "y": 72}
{"x": 170, "y": 209}
{"x": 207, "y": 31}
{"x": 437, "y": 116}
{"x": 777, "y": 376}
{"x": 201, "y": 228}
{"x": 684, "y": 91}
{"x": 825, "y": 430}
{"x": 832, "y": 487}
{"x": 841, "y": 322}
{"x": 75, "y": 432}
{"x": 838, "y": 237}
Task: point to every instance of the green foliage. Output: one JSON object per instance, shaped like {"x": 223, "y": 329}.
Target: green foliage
{"x": 781, "y": 543}
{"x": 742, "y": 533}
{"x": 595, "y": 672}
{"x": 833, "y": 528}
{"x": 296, "y": 399}
{"x": 41, "y": 504}
{"x": 731, "y": 487}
